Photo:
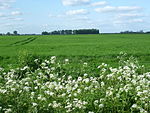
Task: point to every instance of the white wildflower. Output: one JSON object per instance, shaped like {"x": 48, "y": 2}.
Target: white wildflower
{"x": 8, "y": 110}
{"x": 66, "y": 60}
{"x": 95, "y": 102}
{"x": 101, "y": 105}
{"x": 134, "y": 106}
{"x": 90, "y": 112}
{"x": 34, "y": 104}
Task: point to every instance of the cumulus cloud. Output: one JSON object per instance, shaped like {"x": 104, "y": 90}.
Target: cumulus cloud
{"x": 117, "y": 9}
{"x": 75, "y": 2}
{"x": 100, "y": 3}
{"x": 77, "y": 12}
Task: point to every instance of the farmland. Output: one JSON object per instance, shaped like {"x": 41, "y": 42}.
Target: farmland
{"x": 75, "y": 74}
{"x": 100, "y": 48}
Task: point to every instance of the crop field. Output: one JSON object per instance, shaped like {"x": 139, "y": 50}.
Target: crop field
{"x": 94, "y": 48}
{"x": 106, "y": 73}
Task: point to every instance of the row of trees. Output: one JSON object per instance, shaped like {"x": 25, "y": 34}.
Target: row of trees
{"x": 80, "y": 31}
{"x": 69, "y": 32}
{"x": 8, "y": 33}
{"x": 134, "y": 32}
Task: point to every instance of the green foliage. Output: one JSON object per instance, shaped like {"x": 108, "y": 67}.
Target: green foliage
{"x": 56, "y": 87}
{"x": 25, "y": 58}
{"x": 15, "y": 33}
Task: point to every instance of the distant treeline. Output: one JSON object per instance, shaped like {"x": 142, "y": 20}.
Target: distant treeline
{"x": 73, "y": 32}
{"x": 70, "y": 32}
{"x": 15, "y": 33}
{"x": 135, "y": 32}
{"x": 8, "y": 33}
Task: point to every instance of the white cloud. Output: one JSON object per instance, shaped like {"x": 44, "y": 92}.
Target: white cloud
{"x": 16, "y": 13}
{"x": 128, "y": 21}
{"x": 129, "y": 15}
{"x": 77, "y": 12}
{"x": 128, "y": 8}
{"x": 18, "y": 19}
{"x": 75, "y": 2}
{"x": 5, "y": 4}
{"x": 12, "y": 25}
{"x": 117, "y": 9}
{"x": 8, "y": 24}
{"x": 100, "y": 3}
{"x": 138, "y": 20}
{"x": 15, "y": 19}
{"x": 106, "y": 9}
{"x": 128, "y": 18}
{"x": 10, "y": 16}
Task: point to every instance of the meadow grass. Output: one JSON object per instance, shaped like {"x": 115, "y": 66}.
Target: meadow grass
{"x": 94, "y": 48}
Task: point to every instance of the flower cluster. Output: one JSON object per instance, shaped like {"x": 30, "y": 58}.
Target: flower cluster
{"x": 48, "y": 88}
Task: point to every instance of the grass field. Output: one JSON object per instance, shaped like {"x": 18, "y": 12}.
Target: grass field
{"x": 68, "y": 74}
{"x": 93, "y": 48}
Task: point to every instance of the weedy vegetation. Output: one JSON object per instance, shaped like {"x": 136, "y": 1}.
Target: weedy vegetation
{"x": 52, "y": 86}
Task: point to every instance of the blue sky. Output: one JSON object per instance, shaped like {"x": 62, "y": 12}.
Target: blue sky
{"x": 35, "y": 16}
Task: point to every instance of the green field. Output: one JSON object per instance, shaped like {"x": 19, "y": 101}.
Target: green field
{"x": 76, "y": 79}
{"x": 100, "y": 48}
